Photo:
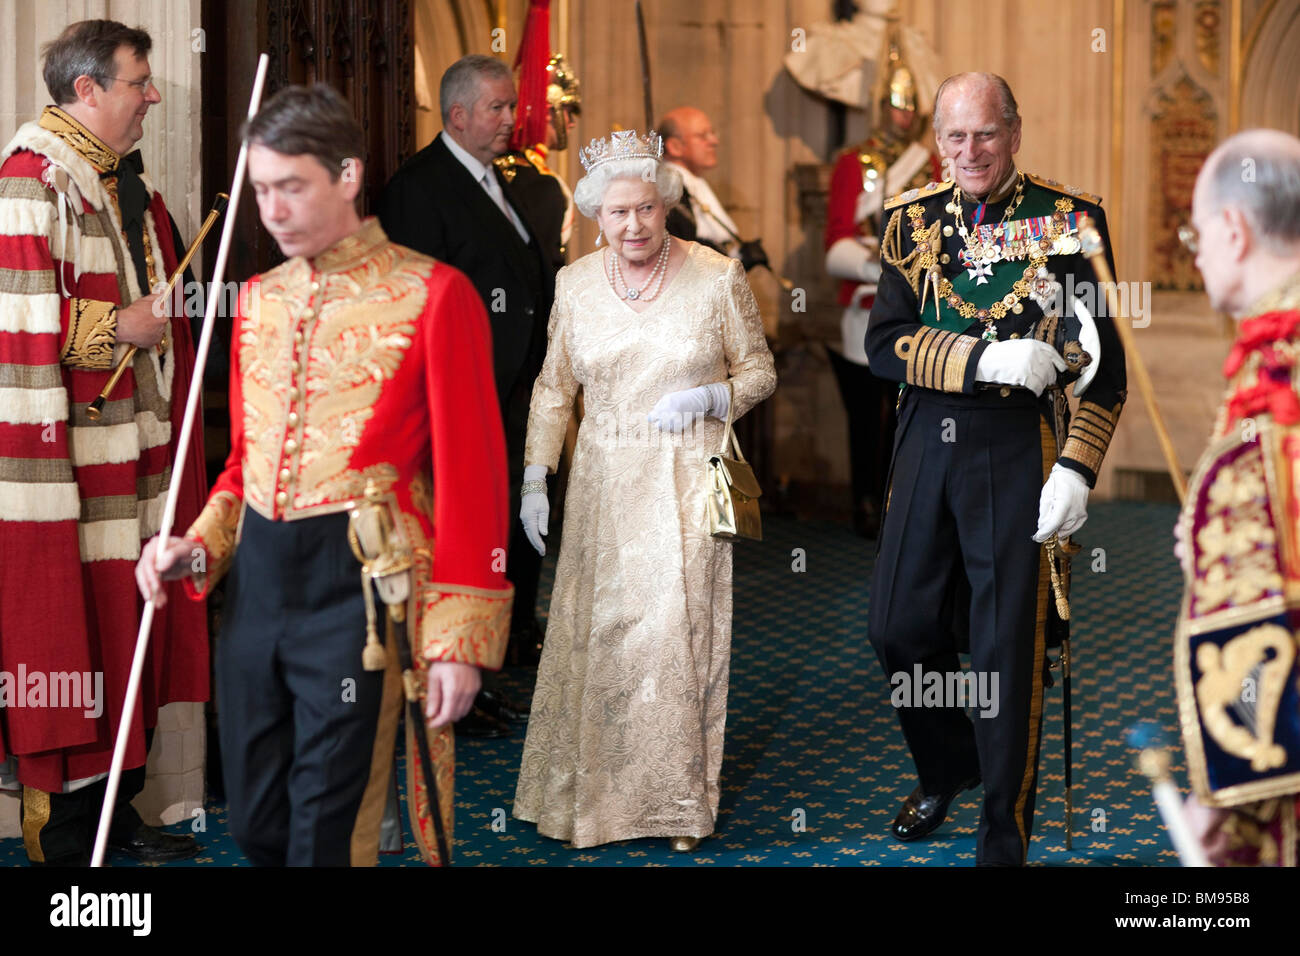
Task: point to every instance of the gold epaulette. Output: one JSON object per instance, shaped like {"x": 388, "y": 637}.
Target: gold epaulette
{"x": 530, "y": 157}
{"x": 509, "y": 159}
{"x": 507, "y": 163}
{"x": 925, "y": 192}
{"x": 538, "y": 161}
{"x": 1074, "y": 191}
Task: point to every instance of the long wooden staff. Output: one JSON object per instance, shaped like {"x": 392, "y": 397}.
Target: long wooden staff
{"x": 1095, "y": 250}
{"x": 645, "y": 68}
{"x": 169, "y": 511}
{"x": 95, "y": 410}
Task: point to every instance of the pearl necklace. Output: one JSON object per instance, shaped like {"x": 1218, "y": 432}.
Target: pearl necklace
{"x": 615, "y": 274}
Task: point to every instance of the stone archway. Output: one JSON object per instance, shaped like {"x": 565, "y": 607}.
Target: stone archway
{"x": 1272, "y": 72}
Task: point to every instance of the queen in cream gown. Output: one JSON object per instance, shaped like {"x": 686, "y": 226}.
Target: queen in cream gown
{"x": 626, "y": 728}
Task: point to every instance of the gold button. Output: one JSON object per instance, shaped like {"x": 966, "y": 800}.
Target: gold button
{"x": 1004, "y": 391}
{"x": 294, "y": 394}
{"x": 290, "y": 447}
{"x": 282, "y": 498}
{"x": 947, "y": 230}
{"x": 315, "y": 287}
{"x": 309, "y": 315}
{"x": 1014, "y": 335}
{"x": 293, "y": 418}
{"x": 945, "y": 258}
{"x": 297, "y": 337}
{"x": 285, "y": 473}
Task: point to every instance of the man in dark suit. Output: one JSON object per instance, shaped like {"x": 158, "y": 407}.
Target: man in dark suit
{"x": 449, "y": 201}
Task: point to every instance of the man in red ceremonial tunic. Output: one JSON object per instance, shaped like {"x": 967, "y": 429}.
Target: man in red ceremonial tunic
{"x": 360, "y": 369}
{"x": 1236, "y": 657}
{"x": 83, "y": 237}
{"x": 891, "y": 160}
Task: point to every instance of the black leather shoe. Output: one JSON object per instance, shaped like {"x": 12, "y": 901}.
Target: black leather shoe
{"x": 922, "y": 814}
{"x": 481, "y": 725}
{"x": 496, "y": 703}
{"x": 149, "y": 845}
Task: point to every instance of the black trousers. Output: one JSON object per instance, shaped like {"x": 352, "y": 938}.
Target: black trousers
{"x": 59, "y": 828}
{"x": 297, "y": 711}
{"x": 956, "y": 553}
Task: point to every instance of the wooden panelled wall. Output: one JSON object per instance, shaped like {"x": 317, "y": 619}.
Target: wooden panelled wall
{"x": 363, "y": 49}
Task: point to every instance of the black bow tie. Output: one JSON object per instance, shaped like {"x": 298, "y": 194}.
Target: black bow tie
{"x": 132, "y": 200}
{"x": 132, "y": 197}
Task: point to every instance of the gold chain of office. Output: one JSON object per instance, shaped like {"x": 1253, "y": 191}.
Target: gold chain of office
{"x": 1011, "y": 301}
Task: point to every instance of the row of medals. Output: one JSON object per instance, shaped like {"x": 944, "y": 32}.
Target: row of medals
{"x": 979, "y": 253}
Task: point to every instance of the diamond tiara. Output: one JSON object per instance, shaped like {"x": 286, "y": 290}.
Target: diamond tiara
{"x": 622, "y": 144}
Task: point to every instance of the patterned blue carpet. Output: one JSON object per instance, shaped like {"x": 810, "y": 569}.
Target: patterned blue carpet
{"x": 815, "y": 764}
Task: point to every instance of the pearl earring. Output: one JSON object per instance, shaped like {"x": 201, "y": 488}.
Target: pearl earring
{"x": 599, "y": 236}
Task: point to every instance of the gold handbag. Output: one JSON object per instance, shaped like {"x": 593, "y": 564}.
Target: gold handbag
{"x": 732, "y": 497}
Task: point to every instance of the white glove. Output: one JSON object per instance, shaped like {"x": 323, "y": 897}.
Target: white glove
{"x": 1063, "y": 505}
{"x": 675, "y": 411}
{"x": 853, "y": 259}
{"x": 1026, "y": 362}
{"x": 535, "y": 509}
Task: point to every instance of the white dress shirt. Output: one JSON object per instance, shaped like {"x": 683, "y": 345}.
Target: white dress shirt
{"x": 485, "y": 176}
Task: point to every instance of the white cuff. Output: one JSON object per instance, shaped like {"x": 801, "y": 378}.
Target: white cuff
{"x": 719, "y": 399}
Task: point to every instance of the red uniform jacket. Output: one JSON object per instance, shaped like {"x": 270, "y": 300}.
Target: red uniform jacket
{"x": 372, "y": 363}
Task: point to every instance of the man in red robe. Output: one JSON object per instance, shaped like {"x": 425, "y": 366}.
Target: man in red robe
{"x": 83, "y": 238}
{"x": 1236, "y": 656}
{"x": 361, "y": 374}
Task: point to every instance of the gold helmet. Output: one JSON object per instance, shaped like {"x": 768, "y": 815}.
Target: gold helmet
{"x": 902, "y": 89}
{"x": 562, "y": 87}
{"x": 563, "y": 96}
{"x": 899, "y": 87}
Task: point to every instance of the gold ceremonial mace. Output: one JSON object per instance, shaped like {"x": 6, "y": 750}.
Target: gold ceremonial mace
{"x": 1096, "y": 253}
{"x": 96, "y": 408}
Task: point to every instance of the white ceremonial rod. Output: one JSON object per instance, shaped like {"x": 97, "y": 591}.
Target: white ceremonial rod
{"x": 1170, "y": 802}
{"x": 169, "y": 510}
{"x": 1154, "y": 763}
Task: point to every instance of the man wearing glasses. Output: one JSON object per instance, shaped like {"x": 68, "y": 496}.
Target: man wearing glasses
{"x": 1235, "y": 652}
{"x": 83, "y": 239}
